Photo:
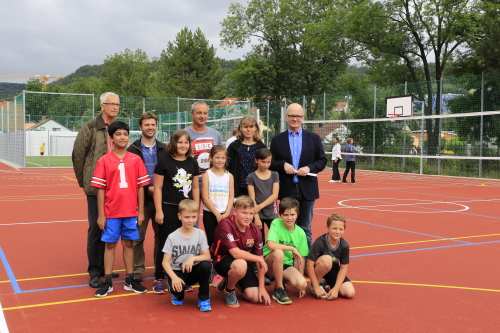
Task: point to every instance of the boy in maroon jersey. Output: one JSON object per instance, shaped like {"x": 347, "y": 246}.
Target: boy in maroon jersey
{"x": 237, "y": 245}
{"x": 120, "y": 177}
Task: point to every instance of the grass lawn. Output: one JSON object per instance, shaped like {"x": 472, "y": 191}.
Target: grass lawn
{"x": 48, "y": 161}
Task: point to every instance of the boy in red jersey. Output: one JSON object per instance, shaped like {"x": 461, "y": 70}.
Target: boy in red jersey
{"x": 237, "y": 245}
{"x": 120, "y": 177}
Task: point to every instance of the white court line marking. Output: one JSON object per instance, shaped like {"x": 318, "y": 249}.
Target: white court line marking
{"x": 3, "y": 323}
{"x": 472, "y": 200}
{"x": 34, "y": 164}
{"x": 415, "y": 202}
{"x": 42, "y": 222}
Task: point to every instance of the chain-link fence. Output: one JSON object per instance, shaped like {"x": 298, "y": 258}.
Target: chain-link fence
{"x": 446, "y": 137}
{"x": 50, "y": 122}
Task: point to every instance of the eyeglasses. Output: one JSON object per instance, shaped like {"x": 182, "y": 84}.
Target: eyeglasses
{"x": 113, "y": 105}
{"x": 292, "y": 116}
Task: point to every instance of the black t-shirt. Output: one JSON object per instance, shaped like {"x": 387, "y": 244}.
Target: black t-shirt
{"x": 178, "y": 181}
{"x": 322, "y": 247}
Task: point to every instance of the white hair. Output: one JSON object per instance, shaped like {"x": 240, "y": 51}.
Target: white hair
{"x": 104, "y": 97}
{"x": 198, "y": 103}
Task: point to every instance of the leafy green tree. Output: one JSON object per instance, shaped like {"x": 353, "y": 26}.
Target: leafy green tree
{"x": 54, "y": 87}
{"x": 418, "y": 32}
{"x": 188, "y": 66}
{"x": 469, "y": 128}
{"x": 486, "y": 40}
{"x": 127, "y": 73}
{"x": 34, "y": 84}
{"x": 87, "y": 85}
{"x": 286, "y": 60}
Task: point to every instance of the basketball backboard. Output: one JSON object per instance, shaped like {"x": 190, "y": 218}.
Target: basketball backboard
{"x": 399, "y": 105}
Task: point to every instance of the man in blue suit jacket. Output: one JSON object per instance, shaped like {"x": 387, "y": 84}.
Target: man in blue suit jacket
{"x": 297, "y": 152}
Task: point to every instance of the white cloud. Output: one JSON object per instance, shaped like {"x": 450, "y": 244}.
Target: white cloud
{"x": 56, "y": 37}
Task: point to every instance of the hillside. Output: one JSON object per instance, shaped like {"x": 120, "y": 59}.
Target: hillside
{"x": 9, "y": 90}
{"x": 83, "y": 71}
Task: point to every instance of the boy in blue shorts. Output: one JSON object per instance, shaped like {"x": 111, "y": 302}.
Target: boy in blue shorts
{"x": 286, "y": 244}
{"x": 120, "y": 177}
{"x": 328, "y": 260}
{"x": 186, "y": 258}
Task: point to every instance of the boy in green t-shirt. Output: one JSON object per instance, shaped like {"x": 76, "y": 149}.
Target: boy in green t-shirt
{"x": 286, "y": 246}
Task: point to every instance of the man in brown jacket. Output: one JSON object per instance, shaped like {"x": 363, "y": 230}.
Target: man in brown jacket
{"x": 92, "y": 143}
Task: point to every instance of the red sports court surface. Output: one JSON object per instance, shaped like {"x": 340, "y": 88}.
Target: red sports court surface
{"x": 424, "y": 258}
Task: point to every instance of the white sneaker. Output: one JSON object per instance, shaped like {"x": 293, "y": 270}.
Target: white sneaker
{"x": 311, "y": 290}
{"x": 332, "y": 181}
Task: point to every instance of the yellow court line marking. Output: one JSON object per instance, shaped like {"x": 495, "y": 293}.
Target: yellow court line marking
{"x": 427, "y": 285}
{"x": 424, "y": 241}
{"x": 41, "y": 195}
{"x": 29, "y": 185}
{"x": 69, "y": 178}
{"x": 72, "y": 301}
{"x": 40, "y": 199}
{"x": 149, "y": 292}
{"x": 352, "y": 248}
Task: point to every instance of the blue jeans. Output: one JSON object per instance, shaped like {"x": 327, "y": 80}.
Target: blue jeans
{"x": 306, "y": 213}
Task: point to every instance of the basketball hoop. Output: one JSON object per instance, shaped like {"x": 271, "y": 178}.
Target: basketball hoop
{"x": 393, "y": 116}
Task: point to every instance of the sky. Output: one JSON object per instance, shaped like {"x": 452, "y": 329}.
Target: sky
{"x": 56, "y": 37}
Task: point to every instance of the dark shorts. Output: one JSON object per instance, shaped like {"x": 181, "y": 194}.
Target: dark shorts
{"x": 285, "y": 266}
{"x": 41, "y": 154}
{"x": 331, "y": 276}
{"x": 250, "y": 279}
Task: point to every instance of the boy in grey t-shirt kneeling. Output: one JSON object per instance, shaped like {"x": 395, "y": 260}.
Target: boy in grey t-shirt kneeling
{"x": 187, "y": 257}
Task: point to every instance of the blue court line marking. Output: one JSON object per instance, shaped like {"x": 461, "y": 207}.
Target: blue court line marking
{"x": 423, "y": 249}
{"x": 398, "y": 229}
{"x": 10, "y": 273}
{"x": 67, "y": 287}
{"x": 391, "y": 203}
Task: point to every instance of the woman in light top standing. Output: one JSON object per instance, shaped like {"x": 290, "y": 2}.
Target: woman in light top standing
{"x": 336, "y": 158}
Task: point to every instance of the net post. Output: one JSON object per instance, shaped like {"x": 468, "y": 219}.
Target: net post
{"x": 49, "y": 148}
{"x": 480, "y": 166}
{"x": 422, "y": 141}
{"x": 374, "y": 117}
{"x": 178, "y": 112}
{"x": 267, "y": 124}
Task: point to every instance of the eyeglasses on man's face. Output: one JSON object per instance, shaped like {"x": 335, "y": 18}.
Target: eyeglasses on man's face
{"x": 294, "y": 116}
{"x": 113, "y": 105}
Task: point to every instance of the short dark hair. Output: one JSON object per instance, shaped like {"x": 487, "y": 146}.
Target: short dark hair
{"x": 262, "y": 154}
{"x": 335, "y": 217}
{"x": 116, "y": 125}
{"x": 289, "y": 203}
{"x": 147, "y": 115}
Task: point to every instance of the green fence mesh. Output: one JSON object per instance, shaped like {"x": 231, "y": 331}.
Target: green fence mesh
{"x": 473, "y": 141}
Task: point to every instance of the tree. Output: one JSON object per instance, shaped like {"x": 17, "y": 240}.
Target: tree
{"x": 34, "y": 84}
{"x": 286, "y": 60}
{"x": 188, "y": 66}
{"x": 127, "y": 73}
{"x": 417, "y": 32}
{"x": 469, "y": 128}
{"x": 87, "y": 85}
{"x": 486, "y": 40}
